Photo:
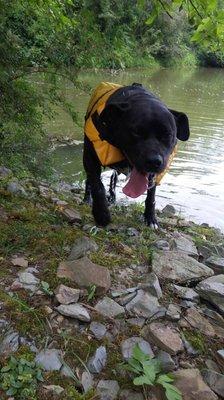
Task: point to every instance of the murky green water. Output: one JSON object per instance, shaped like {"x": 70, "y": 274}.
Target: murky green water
{"x": 195, "y": 183}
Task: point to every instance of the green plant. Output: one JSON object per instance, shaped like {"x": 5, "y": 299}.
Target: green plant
{"x": 19, "y": 378}
{"x": 46, "y": 288}
{"x": 149, "y": 372}
{"x": 91, "y": 292}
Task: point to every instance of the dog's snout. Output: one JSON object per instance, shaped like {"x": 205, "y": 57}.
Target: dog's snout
{"x": 155, "y": 161}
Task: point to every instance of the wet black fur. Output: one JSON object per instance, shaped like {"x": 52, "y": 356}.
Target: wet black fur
{"x": 145, "y": 130}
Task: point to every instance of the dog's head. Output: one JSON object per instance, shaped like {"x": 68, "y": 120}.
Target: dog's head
{"x": 144, "y": 129}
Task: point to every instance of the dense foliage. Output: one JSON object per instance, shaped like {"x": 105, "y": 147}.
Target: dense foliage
{"x": 56, "y": 38}
{"x": 34, "y": 39}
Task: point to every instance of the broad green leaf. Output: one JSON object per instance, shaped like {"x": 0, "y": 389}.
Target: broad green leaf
{"x": 5, "y": 369}
{"x": 17, "y": 385}
{"x": 164, "y": 378}
{"x": 150, "y": 372}
{"x": 13, "y": 361}
{"x": 139, "y": 355}
{"x": 142, "y": 380}
{"x": 152, "y": 17}
{"x": 134, "y": 365}
{"x": 172, "y": 393}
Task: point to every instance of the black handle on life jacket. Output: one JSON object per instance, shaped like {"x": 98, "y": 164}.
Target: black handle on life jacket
{"x": 102, "y": 128}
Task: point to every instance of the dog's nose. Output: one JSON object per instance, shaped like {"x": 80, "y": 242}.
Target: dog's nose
{"x": 155, "y": 161}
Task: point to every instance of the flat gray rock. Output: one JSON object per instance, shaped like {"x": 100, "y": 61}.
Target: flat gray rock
{"x": 19, "y": 262}
{"x": 173, "y": 312}
{"x": 216, "y": 263}
{"x": 4, "y": 172}
{"x": 185, "y": 293}
{"x": 215, "y": 381}
{"x": 192, "y": 386}
{"x": 107, "y": 389}
{"x": 194, "y": 318}
{"x": 87, "y": 381}
{"x": 213, "y": 316}
{"x": 9, "y": 343}
{"x": 74, "y": 311}
{"x": 98, "y": 361}
{"x": 126, "y": 299}
{"x": 169, "y": 210}
{"x": 109, "y": 308}
{"x": 211, "y": 365}
{"x": 67, "y": 295}
{"x": 183, "y": 243}
{"x": 98, "y": 329}
{"x": 123, "y": 292}
{"x": 136, "y": 321}
{"x": 71, "y": 215}
{"x": 81, "y": 247}
{"x": 145, "y": 305}
{"x": 166, "y": 361}
{"x": 212, "y": 289}
{"x": 162, "y": 245}
{"x": 50, "y": 360}
{"x": 220, "y": 358}
{"x": 85, "y": 273}
{"x": 165, "y": 337}
{"x": 16, "y": 188}
{"x": 128, "y": 345}
{"x": 151, "y": 285}
{"x": 27, "y": 278}
{"x": 177, "y": 267}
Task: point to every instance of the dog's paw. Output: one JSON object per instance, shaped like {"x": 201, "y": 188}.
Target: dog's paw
{"x": 152, "y": 222}
{"x": 111, "y": 198}
{"x": 154, "y": 226}
{"x": 102, "y": 218}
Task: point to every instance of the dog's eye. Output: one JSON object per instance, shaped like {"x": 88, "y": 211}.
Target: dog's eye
{"x": 166, "y": 137}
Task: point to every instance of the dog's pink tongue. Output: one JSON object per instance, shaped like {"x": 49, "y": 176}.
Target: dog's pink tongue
{"x": 136, "y": 185}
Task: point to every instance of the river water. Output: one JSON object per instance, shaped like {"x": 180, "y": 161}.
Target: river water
{"x": 195, "y": 182}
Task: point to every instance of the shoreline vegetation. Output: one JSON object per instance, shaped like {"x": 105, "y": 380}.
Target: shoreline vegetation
{"x": 76, "y": 299}
{"x": 60, "y": 39}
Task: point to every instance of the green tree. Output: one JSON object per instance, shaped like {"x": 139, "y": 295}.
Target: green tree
{"x": 34, "y": 38}
{"x": 206, "y": 18}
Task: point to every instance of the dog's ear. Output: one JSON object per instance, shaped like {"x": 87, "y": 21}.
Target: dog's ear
{"x": 107, "y": 122}
{"x": 182, "y": 123}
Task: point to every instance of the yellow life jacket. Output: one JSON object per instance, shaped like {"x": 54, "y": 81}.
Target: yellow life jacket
{"x": 106, "y": 152}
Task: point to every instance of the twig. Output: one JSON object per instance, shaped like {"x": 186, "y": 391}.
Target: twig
{"x": 195, "y": 8}
{"x": 163, "y": 6}
{"x": 40, "y": 70}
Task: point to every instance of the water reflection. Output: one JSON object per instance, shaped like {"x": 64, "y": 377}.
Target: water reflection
{"x": 195, "y": 183}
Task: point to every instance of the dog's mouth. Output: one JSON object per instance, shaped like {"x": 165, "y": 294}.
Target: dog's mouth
{"x": 137, "y": 184}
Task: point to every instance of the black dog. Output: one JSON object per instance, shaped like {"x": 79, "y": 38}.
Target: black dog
{"x": 128, "y": 127}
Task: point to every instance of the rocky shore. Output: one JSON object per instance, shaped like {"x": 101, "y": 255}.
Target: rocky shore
{"x": 75, "y": 299}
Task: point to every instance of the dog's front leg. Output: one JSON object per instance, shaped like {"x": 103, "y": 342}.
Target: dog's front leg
{"x": 100, "y": 207}
{"x": 93, "y": 183}
{"x": 149, "y": 214}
